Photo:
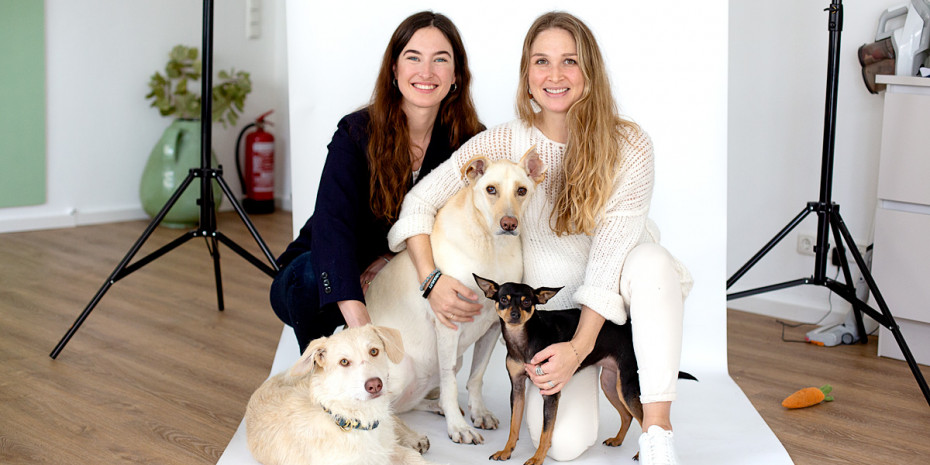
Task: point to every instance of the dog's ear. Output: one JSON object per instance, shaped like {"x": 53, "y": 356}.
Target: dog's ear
{"x": 543, "y": 294}
{"x": 489, "y": 287}
{"x": 393, "y": 343}
{"x": 314, "y": 356}
{"x": 534, "y": 167}
{"x": 475, "y": 167}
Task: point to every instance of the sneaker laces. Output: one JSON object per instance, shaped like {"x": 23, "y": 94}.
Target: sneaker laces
{"x": 657, "y": 448}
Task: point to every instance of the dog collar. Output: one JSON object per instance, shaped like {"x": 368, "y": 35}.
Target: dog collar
{"x": 346, "y": 424}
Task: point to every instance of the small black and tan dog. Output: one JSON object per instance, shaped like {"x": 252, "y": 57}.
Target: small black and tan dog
{"x": 527, "y": 332}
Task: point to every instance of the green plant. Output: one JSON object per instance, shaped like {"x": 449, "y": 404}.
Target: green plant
{"x": 170, "y": 94}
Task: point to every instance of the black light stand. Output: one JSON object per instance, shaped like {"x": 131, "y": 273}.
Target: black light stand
{"x": 207, "y": 226}
{"x": 829, "y": 219}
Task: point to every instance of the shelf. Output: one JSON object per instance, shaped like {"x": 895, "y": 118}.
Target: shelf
{"x": 902, "y": 80}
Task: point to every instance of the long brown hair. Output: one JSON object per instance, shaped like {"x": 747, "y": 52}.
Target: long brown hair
{"x": 595, "y": 129}
{"x": 389, "y": 137}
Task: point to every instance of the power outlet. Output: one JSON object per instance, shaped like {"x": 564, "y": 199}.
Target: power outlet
{"x": 835, "y": 255}
{"x": 806, "y": 244}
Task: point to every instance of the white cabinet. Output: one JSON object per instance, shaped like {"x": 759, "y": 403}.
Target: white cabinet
{"x": 901, "y": 257}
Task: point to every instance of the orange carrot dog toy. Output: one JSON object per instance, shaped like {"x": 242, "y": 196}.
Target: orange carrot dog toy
{"x": 808, "y": 397}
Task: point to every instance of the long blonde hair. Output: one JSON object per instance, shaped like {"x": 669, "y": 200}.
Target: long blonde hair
{"x": 595, "y": 130}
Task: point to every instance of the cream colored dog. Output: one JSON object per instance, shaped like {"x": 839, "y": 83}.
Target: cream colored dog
{"x": 333, "y": 406}
{"x": 477, "y": 231}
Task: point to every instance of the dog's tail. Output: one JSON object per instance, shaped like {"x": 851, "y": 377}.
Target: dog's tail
{"x": 686, "y": 375}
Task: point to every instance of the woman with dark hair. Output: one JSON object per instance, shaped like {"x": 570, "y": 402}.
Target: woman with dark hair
{"x": 420, "y": 112}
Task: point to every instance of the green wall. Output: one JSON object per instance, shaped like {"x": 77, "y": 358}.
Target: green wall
{"x": 22, "y": 103}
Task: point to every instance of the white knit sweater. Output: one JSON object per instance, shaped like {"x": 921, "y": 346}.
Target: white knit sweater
{"x": 587, "y": 266}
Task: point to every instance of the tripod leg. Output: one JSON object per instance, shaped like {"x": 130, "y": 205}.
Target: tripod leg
{"x": 890, "y": 323}
{"x": 249, "y": 225}
{"x": 844, "y": 265}
{"x": 214, "y": 249}
{"x": 775, "y": 240}
{"x": 120, "y": 271}
{"x": 769, "y": 288}
{"x": 245, "y": 254}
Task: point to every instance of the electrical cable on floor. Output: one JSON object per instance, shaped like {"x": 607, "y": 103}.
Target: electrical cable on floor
{"x": 816, "y": 323}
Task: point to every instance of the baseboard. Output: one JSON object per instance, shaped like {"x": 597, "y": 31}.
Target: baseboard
{"x": 283, "y": 204}
{"x": 30, "y": 219}
{"x": 89, "y": 217}
{"x": 42, "y": 217}
{"x": 790, "y": 311}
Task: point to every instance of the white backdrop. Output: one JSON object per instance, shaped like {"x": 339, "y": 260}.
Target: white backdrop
{"x": 668, "y": 64}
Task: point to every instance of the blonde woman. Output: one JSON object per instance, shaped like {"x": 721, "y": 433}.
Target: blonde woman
{"x": 586, "y": 230}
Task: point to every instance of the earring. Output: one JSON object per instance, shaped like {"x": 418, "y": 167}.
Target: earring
{"x": 454, "y": 87}
{"x": 394, "y": 82}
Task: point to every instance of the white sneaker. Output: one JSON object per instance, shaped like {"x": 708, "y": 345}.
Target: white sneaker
{"x": 656, "y": 447}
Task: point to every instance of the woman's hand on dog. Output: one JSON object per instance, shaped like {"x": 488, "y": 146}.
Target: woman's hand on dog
{"x": 369, "y": 274}
{"x": 448, "y": 301}
{"x": 354, "y": 312}
{"x": 558, "y": 363}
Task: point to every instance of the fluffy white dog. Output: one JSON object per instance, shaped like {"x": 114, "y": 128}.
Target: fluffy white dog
{"x": 333, "y": 406}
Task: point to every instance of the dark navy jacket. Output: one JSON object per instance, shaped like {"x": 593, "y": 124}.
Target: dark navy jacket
{"x": 343, "y": 232}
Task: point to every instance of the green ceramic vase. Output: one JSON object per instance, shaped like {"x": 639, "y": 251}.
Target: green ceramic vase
{"x": 171, "y": 159}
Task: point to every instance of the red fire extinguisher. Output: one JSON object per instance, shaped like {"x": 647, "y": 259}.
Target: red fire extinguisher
{"x": 258, "y": 180}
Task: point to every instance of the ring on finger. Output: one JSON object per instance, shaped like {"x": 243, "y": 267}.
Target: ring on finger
{"x": 539, "y": 370}
{"x": 551, "y": 385}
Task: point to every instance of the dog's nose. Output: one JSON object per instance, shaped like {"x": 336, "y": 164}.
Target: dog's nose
{"x": 515, "y": 316}
{"x": 508, "y": 223}
{"x": 374, "y": 385}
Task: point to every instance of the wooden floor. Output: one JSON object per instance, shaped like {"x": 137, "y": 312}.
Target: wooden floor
{"x": 879, "y": 415}
{"x": 157, "y": 375}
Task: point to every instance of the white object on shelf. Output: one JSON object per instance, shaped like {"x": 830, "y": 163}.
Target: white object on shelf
{"x": 911, "y": 38}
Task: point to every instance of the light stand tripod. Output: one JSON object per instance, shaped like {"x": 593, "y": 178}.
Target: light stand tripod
{"x": 207, "y": 226}
{"x": 829, "y": 219}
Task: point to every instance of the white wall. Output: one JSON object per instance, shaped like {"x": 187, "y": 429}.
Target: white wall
{"x": 100, "y": 129}
{"x": 668, "y": 66}
{"x": 778, "y": 65}
{"x": 100, "y": 54}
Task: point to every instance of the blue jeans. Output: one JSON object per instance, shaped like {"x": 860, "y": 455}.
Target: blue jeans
{"x": 295, "y": 298}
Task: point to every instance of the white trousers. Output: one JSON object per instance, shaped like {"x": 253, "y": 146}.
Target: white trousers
{"x": 650, "y": 284}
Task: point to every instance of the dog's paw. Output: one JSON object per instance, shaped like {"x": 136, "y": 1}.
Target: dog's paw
{"x": 430, "y": 405}
{"x": 465, "y": 435}
{"x": 534, "y": 460}
{"x": 501, "y": 455}
{"x": 484, "y": 419}
{"x": 421, "y": 444}
{"x": 613, "y": 442}
{"x": 415, "y": 441}
{"x": 411, "y": 439}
